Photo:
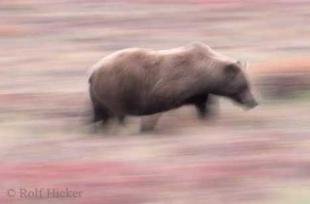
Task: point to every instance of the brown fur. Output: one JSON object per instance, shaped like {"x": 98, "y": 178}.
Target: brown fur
{"x": 139, "y": 81}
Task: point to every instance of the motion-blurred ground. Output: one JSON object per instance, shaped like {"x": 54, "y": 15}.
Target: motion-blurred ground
{"x": 261, "y": 156}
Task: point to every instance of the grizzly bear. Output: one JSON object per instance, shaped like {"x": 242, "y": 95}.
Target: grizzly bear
{"x": 141, "y": 82}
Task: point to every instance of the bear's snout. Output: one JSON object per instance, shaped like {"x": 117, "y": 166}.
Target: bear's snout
{"x": 249, "y": 100}
{"x": 246, "y": 99}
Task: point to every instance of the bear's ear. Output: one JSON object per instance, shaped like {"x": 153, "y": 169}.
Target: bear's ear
{"x": 231, "y": 71}
{"x": 242, "y": 64}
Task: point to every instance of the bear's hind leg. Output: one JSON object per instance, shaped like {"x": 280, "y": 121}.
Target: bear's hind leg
{"x": 100, "y": 114}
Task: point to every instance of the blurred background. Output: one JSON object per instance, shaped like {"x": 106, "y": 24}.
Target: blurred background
{"x": 259, "y": 156}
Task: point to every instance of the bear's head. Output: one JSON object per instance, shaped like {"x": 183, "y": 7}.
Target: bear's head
{"x": 234, "y": 85}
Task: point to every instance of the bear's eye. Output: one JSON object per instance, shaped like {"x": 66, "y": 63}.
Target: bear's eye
{"x": 238, "y": 91}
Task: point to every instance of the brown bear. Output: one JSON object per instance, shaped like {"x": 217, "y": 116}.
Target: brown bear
{"x": 140, "y": 82}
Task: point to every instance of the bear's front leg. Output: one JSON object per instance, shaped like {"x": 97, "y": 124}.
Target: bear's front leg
{"x": 205, "y": 106}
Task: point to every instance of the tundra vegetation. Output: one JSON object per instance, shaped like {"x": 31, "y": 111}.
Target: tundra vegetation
{"x": 260, "y": 156}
